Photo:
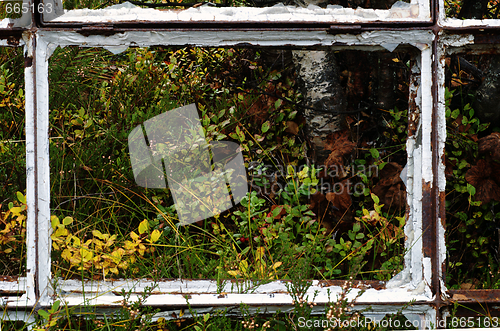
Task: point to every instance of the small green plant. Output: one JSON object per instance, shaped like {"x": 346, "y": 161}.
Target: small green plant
{"x": 50, "y": 317}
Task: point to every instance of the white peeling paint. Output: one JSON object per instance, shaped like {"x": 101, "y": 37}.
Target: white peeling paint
{"x": 42, "y": 132}
{"x": 427, "y": 269}
{"x": 406, "y": 288}
{"x": 127, "y": 12}
{"x": 30, "y": 175}
{"x": 207, "y": 292}
{"x": 455, "y": 41}
{"x": 234, "y": 38}
{"x": 38, "y": 218}
{"x": 4, "y": 23}
{"x": 441, "y": 12}
{"x": 469, "y": 23}
{"x": 426, "y": 117}
{"x": 412, "y": 276}
{"x": 415, "y": 222}
{"x": 441, "y": 127}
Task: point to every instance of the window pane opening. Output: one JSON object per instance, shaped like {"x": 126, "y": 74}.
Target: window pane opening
{"x": 13, "y": 164}
{"x": 314, "y": 202}
{"x": 471, "y": 154}
{"x": 468, "y": 9}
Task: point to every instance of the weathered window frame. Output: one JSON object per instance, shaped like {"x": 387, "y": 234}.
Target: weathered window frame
{"x": 424, "y": 265}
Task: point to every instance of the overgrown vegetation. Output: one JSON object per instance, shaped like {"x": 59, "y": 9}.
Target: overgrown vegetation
{"x": 339, "y": 220}
{"x": 466, "y": 9}
{"x": 102, "y": 221}
{"x": 472, "y": 190}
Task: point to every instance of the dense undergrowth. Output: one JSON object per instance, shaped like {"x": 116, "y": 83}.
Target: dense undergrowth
{"x": 488, "y": 9}
{"x": 102, "y": 221}
{"x": 336, "y": 224}
{"x": 472, "y": 189}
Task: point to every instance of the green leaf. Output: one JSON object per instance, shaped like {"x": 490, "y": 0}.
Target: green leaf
{"x": 241, "y": 134}
{"x": 67, "y": 220}
{"x": 44, "y": 314}
{"x": 455, "y": 113}
{"x": 277, "y": 211}
{"x": 471, "y": 189}
{"x": 375, "y": 198}
{"x": 481, "y": 240}
{"x": 463, "y": 163}
{"x": 356, "y": 227}
{"x": 374, "y": 152}
{"x": 21, "y": 197}
{"x": 55, "y": 306}
{"x": 278, "y": 103}
{"x": 265, "y": 126}
{"x": 222, "y": 112}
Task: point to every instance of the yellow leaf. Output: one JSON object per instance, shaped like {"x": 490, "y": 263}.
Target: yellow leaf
{"x": 260, "y": 253}
{"x": 129, "y": 245}
{"x": 16, "y": 211}
{"x": 75, "y": 261}
{"x": 277, "y": 264}
{"x": 244, "y": 266}
{"x": 123, "y": 265}
{"x": 60, "y": 232}
{"x": 143, "y": 227}
{"x": 86, "y": 255}
{"x": 66, "y": 254}
{"x": 234, "y": 273}
{"x": 134, "y": 236}
{"x": 155, "y": 236}
{"x": 117, "y": 255}
{"x": 54, "y": 220}
{"x": 98, "y": 234}
{"x": 76, "y": 241}
{"x": 8, "y": 250}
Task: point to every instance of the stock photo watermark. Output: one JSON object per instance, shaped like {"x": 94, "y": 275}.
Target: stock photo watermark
{"x": 264, "y": 178}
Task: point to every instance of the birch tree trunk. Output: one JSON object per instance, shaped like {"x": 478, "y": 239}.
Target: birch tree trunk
{"x": 319, "y": 83}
